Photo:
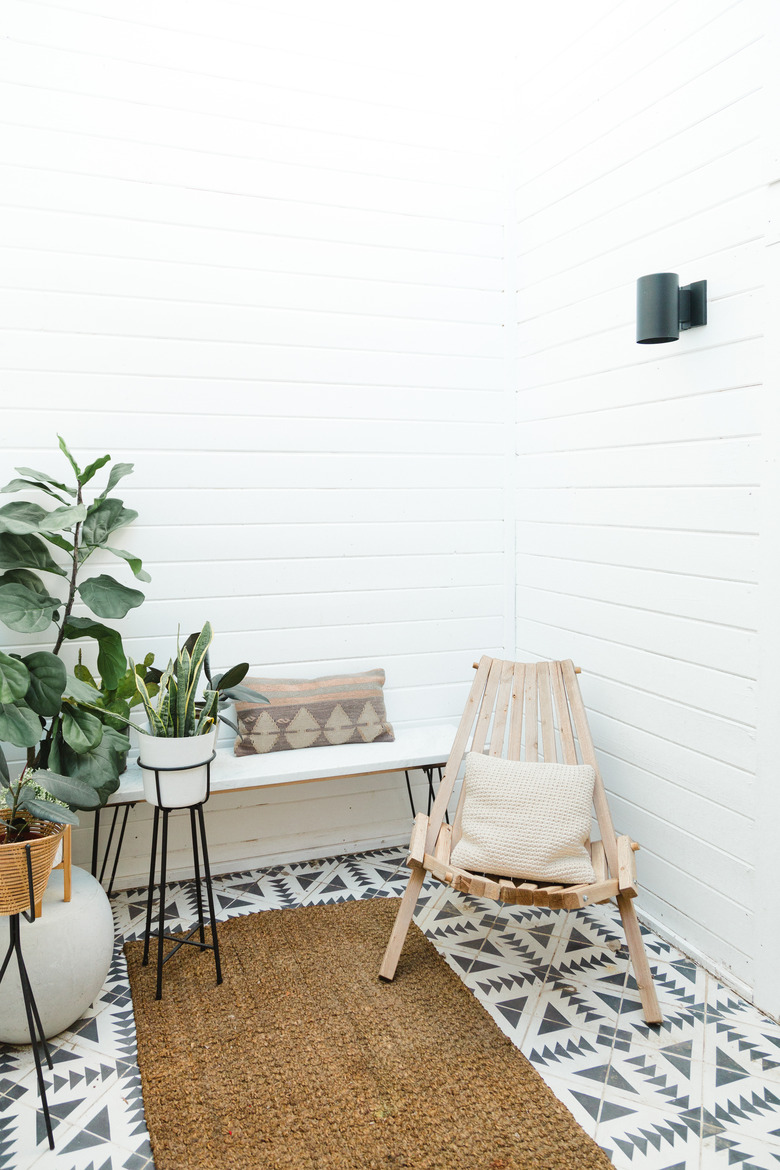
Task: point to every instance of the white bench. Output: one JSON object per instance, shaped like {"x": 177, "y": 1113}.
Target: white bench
{"x": 415, "y": 747}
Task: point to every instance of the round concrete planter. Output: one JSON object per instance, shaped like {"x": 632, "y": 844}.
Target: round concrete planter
{"x": 67, "y": 952}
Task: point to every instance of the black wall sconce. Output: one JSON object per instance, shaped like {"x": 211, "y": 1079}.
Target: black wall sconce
{"x": 663, "y": 308}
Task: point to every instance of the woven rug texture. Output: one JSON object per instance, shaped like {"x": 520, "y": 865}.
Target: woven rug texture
{"x": 304, "y": 1060}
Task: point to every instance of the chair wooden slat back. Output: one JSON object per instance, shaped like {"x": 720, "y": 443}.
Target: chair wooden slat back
{"x": 515, "y": 745}
{"x": 486, "y": 708}
{"x": 502, "y": 709}
{"x": 507, "y": 705}
{"x": 549, "y": 752}
{"x": 531, "y": 713}
{"x": 568, "y": 747}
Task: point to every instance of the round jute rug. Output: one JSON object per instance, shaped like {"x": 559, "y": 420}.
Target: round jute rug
{"x": 303, "y": 1060}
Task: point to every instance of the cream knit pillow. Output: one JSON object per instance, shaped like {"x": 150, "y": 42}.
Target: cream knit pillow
{"x": 526, "y": 820}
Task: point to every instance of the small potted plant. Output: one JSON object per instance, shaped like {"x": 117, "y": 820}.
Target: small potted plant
{"x": 182, "y": 728}
{"x": 35, "y": 812}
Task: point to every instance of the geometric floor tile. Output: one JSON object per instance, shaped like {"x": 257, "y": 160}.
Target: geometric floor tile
{"x": 700, "y": 1092}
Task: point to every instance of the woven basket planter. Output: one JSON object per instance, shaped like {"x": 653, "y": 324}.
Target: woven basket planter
{"x": 14, "y": 886}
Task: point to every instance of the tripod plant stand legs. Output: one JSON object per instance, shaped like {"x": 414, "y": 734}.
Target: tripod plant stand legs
{"x": 200, "y": 854}
{"x": 34, "y": 1026}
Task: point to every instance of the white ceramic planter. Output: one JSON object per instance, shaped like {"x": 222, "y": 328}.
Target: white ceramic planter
{"x": 178, "y": 789}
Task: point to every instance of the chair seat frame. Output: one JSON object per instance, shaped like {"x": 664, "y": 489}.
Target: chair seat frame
{"x": 508, "y": 704}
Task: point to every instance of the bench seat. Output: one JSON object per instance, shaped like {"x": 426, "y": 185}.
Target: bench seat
{"x": 413, "y": 747}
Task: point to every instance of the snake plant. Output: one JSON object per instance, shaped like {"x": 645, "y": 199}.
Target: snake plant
{"x": 178, "y": 711}
{"x": 175, "y": 713}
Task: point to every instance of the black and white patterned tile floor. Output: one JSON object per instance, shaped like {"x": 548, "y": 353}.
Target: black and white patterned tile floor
{"x": 700, "y": 1092}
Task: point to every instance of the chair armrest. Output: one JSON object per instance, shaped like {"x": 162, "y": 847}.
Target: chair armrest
{"x": 417, "y": 843}
{"x": 627, "y": 883}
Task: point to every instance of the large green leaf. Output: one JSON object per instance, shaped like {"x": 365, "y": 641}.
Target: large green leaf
{"x": 134, "y": 562}
{"x": 14, "y": 679}
{"x": 112, "y": 663}
{"x": 80, "y": 730}
{"x": 27, "y": 551}
{"x": 103, "y": 518}
{"x": 42, "y": 478}
{"x": 21, "y": 517}
{"x": 67, "y": 788}
{"x": 92, "y": 468}
{"x": 107, "y": 598}
{"x": 47, "y": 682}
{"x": 118, "y": 471}
{"x": 63, "y": 518}
{"x": 25, "y": 603}
{"x": 100, "y": 766}
{"x": 231, "y": 678}
{"x": 80, "y": 691}
{"x": 117, "y": 713}
{"x": 5, "y": 775}
{"x": 46, "y": 810}
{"x": 69, "y": 457}
{"x": 60, "y": 541}
{"x": 24, "y": 485}
{"x": 19, "y": 725}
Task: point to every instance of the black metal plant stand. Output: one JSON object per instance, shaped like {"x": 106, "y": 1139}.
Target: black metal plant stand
{"x": 197, "y": 828}
{"x": 34, "y": 1026}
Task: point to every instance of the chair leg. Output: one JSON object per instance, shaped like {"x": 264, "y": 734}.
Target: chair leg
{"x": 639, "y": 960}
{"x": 402, "y": 923}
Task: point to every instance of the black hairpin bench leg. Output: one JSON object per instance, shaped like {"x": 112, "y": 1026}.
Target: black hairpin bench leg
{"x": 107, "y": 850}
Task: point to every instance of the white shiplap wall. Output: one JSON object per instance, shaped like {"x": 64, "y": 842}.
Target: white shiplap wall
{"x": 257, "y": 250}
{"x": 266, "y": 252}
{"x": 639, "y": 466}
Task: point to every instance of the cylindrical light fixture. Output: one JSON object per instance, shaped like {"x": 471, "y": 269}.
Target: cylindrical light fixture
{"x": 658, "y": 308}
{"x": 663, "y": 308}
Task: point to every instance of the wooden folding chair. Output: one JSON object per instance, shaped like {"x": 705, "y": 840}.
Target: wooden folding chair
{"x": 508, "y": 704}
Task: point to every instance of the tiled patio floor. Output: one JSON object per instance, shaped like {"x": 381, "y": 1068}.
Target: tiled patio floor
{"x": 702, "y": 1091}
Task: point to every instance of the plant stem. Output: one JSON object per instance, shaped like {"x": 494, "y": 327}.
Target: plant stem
{"x": 73, "y": 578}
{"x": 42, "y": 757}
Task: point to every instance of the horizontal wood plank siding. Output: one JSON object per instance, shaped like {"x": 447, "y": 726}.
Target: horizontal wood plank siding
{"x": 639, "y": 467}
{"x": 260, "y": 254}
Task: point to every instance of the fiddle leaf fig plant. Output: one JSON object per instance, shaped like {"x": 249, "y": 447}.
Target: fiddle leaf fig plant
{"x": 44, "y": 708}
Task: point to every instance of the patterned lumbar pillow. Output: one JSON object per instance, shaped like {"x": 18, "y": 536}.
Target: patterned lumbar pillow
{"x": 313, "y": 712}
{"x": 526, "y": 820}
